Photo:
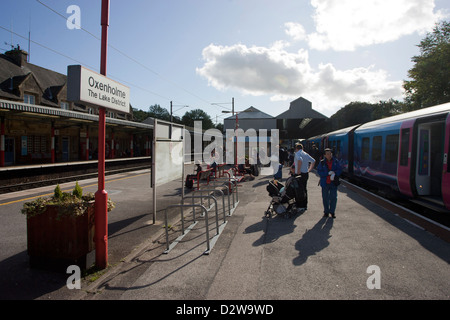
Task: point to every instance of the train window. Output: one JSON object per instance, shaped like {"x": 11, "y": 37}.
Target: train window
{"x": 404, "y": 148}
{"x": 376, "y": 148}
{"x": 365, "y": 149}
{"x": 392, "y": 148}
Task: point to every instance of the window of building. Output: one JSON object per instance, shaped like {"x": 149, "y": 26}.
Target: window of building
{"x": 392, "y": 148}
{"x": 29, "y": 98}
{"x": 365, "y": 152}
{"x": 376, "y": 148}
{"x": 64, "y": 105}
{"x": 37, "y": 144}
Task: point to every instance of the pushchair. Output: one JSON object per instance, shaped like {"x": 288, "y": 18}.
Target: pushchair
{"x": 284, "y": 197}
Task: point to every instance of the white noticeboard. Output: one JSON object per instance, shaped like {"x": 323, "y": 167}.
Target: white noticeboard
{"x": 167, "y": 156}
{"x": 168, "y": 161}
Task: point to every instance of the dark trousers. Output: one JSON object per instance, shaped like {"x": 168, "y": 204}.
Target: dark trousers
{"x": 329, "y": 198}
{"x": 303, "y": 179}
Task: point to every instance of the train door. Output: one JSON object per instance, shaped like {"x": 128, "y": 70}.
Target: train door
{"x": 446, "y": 165}
{"x": 404, "y": 159}
{"x": 324, "y": 143}
{"x": 423, "y": 160}
{"x": 429, "y": 162}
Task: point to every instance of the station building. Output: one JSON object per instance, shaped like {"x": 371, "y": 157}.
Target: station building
{"x": 39, "y": 124}
{"x": 299, "y": 121}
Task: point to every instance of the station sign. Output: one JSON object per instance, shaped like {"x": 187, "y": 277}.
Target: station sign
{"x": 88, "y": 87}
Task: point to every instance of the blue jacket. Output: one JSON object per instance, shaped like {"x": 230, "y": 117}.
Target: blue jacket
{"x": 322, "y": 170}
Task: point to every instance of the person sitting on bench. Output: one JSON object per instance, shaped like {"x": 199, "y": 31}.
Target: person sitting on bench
{"x": 191, "y": 177}
{"x": 245, "y": 168}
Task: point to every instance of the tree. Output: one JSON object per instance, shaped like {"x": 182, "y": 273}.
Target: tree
{"x": 197, "y": 115}
{"x": 156, "y": 111}
{"x": 430, "y": 84}
{"x": 219, "y": 126}
{"x": 353, "y": 113}
{"x": 140, "y": 115}
{"x": 385, "y": 109}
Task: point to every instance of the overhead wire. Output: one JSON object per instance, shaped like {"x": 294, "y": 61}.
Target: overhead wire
{"x": 129, "y": 57}
{"x": 82, "y": 63}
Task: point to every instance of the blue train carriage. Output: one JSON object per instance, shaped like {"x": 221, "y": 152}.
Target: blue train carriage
{"x": 342, "y": 144}
{"x": 318, "y": 140}
{"x": 407, "y": 153}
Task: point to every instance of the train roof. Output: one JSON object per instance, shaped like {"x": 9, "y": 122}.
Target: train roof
{"x": 343, "y": 130}
{"x": 340, "y": 131}
{"x": 425, "y": 112}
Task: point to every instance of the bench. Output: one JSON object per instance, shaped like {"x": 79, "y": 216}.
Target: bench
{"x": 203, "y": 175}
{"x": 239, "y": 174}
{"x": 220, "y": 170}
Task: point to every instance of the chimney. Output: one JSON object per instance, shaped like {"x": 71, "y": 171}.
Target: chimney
{"x": 18, "y": 56}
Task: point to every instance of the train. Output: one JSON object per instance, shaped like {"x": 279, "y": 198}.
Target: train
{"x": 403, "y": 155}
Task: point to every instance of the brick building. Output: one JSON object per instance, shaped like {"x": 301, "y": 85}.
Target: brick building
{"x": 39, "y": 125}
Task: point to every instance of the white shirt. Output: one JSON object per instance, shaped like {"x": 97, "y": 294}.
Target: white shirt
{"x": 305, "y": 159}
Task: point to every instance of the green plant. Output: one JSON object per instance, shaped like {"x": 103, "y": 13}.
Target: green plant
{"x": 77, "y": 191}
{"x": 58, "y": 194}
{"x": 74, "y": 204}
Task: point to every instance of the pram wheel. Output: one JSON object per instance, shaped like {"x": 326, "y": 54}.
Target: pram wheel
{"x": 268, "y": 214}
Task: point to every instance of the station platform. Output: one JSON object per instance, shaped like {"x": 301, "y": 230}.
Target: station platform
{"x": 367, "y": 252}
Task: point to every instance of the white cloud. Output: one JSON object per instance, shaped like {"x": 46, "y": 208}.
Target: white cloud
{"x": 295, "y": 30}
{"x": 347, "y": 24}
{"x": 255, "y": 70}
{"x": 282, "y": 75}
{"x": 343, "y": 25}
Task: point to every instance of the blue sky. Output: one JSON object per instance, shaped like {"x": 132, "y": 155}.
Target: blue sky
{"x": 263, "y": 53}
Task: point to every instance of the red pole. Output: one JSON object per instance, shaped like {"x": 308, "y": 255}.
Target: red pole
{"x": 2, "y": 142}
{"x": 86, "y": 149}
{"x": 101, "y": 196}
{"x": 52, "y": 150}
{"x": 236, "y": 143}
{"x": 113, "y": 152}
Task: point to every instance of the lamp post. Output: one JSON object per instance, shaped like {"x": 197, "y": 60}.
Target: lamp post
{"x": 236, "y": 126}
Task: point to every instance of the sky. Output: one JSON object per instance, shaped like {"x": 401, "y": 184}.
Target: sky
{"x": 203, "y": 53}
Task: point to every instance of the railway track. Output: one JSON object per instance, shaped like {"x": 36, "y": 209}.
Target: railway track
{"x": 70, "y": 177}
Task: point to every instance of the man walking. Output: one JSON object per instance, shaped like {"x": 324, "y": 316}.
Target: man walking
{"x": 329, "y": 171}
{"x": 304, "y": 163}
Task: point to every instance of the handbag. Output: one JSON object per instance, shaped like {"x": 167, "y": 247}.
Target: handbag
{"x": 336, "y": 181}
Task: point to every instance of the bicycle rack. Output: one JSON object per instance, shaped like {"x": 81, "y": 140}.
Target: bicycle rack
{"x": 230, "y": 210}
{"x": 209, "y": 242}
{"x": 229, "y": 184}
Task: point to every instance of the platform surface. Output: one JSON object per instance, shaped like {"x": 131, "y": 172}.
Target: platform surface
{"x": 304, "y": 257}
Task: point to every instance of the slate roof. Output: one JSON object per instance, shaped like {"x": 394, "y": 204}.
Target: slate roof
{"x": 251, "y": 113}
{"x": 13, "y": 75}
{"x": 301, "y": 109}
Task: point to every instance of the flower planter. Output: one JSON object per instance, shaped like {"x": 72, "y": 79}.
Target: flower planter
{"x": 57, "y": 240}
